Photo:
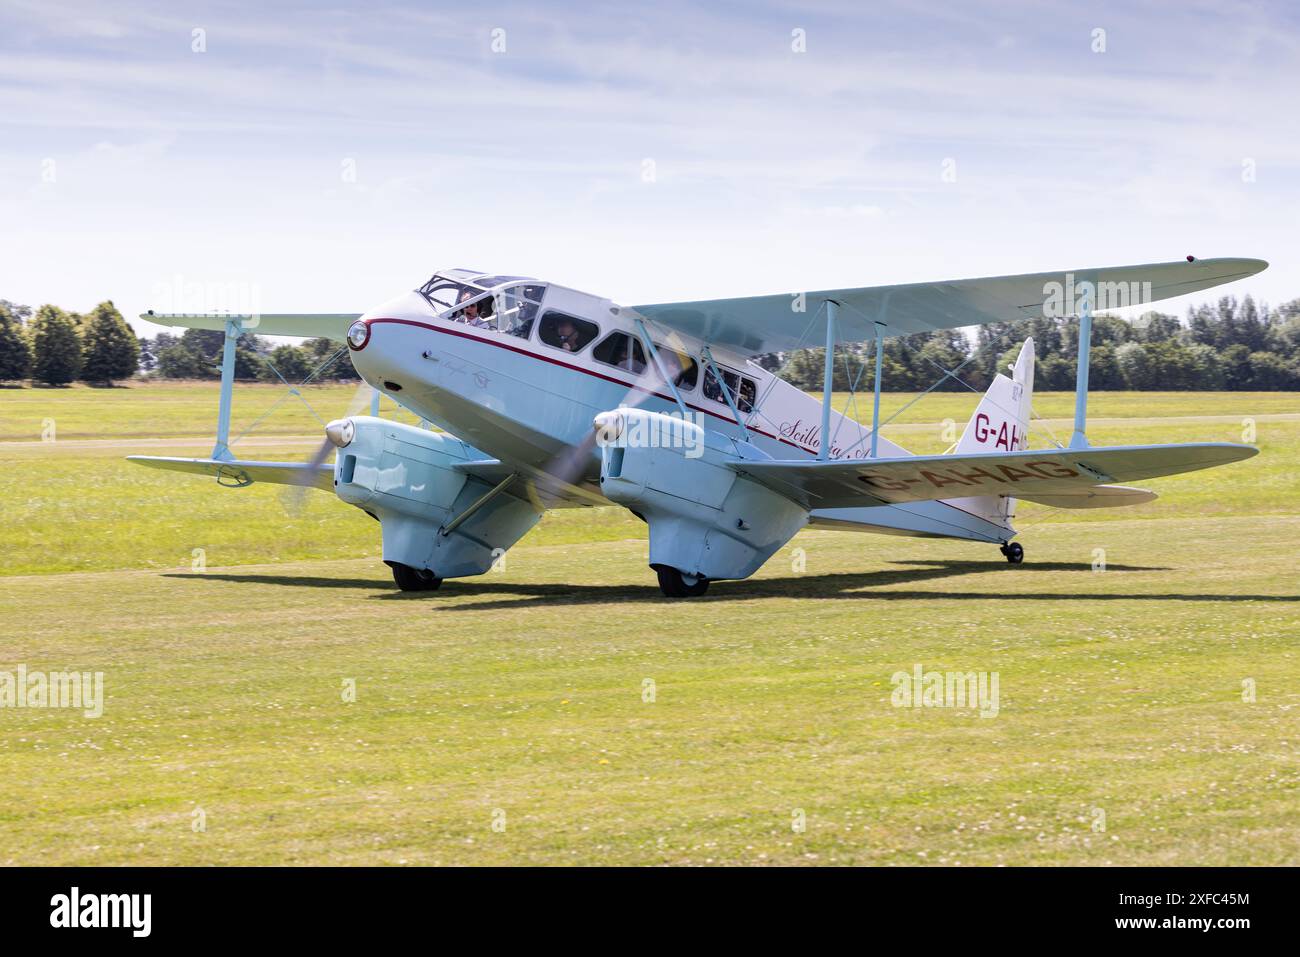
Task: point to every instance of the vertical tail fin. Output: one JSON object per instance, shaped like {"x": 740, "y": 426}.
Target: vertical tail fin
{"x": 1001, "y": 421}
{"x": 1000, "y": 424}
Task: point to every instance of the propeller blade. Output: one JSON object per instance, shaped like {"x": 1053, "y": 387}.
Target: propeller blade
{"x": 294, "y": 496}
{"x": 573, "y": 463}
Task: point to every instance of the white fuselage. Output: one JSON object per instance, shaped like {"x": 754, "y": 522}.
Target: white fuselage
{"x": 524, "y": 400}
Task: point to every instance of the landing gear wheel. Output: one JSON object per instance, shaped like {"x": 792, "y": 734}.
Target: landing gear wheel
{"x": 414, "y": 579}
{"x": 1014, "y": 551}
{"x": 674, "y": 584}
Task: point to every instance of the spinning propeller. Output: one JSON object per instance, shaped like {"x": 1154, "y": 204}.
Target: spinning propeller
{"x": 295, "y": 496}
{"x": 572, "y": 463}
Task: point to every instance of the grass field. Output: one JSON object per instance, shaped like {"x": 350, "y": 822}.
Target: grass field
{"x": 505, "y": 719}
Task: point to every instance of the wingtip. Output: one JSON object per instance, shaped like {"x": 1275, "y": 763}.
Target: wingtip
{"x": 1251, "y": 266}
{"x": 1240, "y": 265}
{"x": 1238, "y": 451}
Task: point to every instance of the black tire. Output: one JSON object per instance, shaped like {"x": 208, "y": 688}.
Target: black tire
{"x": 414, "y": 579}
{"x": 1015, "y": 552}
{"x": 676, "y": 585}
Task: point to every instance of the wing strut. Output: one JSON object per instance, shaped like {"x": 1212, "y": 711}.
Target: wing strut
{"x": 663, "y": 373}
{"x": 875, "y": 404}
{"x": 1079, "y": 440}
{"x": 474, "y": 507}
{"x": 221, "y": 450}
{"x": 824, "y": 452}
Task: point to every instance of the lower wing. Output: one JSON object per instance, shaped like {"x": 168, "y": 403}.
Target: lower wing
{"x": 1048, "y": 473}
{"x": 1095, "y": 496}
{"x": 237, "y": 472}
{"x": 542, "y": 491}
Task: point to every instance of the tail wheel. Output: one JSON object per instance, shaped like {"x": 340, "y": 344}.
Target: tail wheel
{"x": 675, "y": 584}
{"x": 414, "y": 579}
{"x": 1015, "y": 552}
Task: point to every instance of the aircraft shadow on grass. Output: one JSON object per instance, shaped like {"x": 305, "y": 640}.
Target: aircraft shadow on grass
{"x": 837, "y": 586}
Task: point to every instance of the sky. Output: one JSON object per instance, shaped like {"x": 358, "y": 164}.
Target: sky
{"x": 328, "y": 157}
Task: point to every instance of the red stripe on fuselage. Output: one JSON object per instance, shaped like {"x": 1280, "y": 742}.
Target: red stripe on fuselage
{"x": 590, "y": 372}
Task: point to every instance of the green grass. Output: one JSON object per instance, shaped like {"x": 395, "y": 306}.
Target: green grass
{"x": 522, "y": 691}
{"x": 74, "y": 506}
{"x": 168, "y": 408}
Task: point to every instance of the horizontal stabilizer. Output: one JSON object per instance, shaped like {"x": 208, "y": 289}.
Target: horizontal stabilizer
{"x": 843, "y": 484}
{"x": 237, "y": 473}
{"x": 306, "y": 325}
{"x": 1097, "y": 496}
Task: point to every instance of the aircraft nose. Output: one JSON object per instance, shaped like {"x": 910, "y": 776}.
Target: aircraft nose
{"x": 380, "y": 352}
{"x": 359, "y": 335}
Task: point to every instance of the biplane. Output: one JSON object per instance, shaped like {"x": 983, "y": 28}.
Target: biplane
{"x": 535, "y": 396}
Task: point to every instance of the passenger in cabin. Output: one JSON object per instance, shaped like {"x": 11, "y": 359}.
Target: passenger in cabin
{"x": 713, "y": 388}
{"x": 743, "y": 390}
{"x": 566, "y": 334}
{"x": 672, "y": 364}
{"x": 631, "y": 360}
{"x": 748, "y": 395}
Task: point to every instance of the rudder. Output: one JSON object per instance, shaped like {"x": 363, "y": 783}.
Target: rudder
{"x": 1000, "y": 423}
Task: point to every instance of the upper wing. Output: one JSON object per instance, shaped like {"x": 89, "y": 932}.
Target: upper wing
{"x": 760, "y": 324}
{"x": 843, "y": 484}
{"x": 307, "y": 325}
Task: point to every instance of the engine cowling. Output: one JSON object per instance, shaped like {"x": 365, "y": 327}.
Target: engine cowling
{"x": 704, "y": 518}
{"x": 408, "y": 478}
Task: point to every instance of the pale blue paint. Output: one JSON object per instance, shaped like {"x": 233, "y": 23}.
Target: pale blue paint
{"x": 221, "y": 450}
{"x": 828, "y": 374}
{"x": 1079, "y": 440}
{"x": 875, "y": 399}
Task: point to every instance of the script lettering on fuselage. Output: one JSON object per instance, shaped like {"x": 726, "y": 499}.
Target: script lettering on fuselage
{"x": 808, "y": 437}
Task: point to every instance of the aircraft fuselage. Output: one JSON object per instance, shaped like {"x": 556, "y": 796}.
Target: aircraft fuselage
{"x": 525, "y": 400}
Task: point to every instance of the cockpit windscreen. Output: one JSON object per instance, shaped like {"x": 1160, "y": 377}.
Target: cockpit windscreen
{"x": 506, "y": 304}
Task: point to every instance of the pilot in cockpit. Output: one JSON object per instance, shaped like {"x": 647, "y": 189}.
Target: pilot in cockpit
{"x": 475, "y": 313}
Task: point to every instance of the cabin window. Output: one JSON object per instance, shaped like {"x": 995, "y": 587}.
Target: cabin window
{"x": 624, "y": 351}
{"x": 443, "y": 291}
{"x": 514, "y": 309}
{"x": 561, "y": 331}
{"x": 743, "y": 390}
{"x": 620, "y": 350}
{"x": 474, "y": 309}
{"x": 679, "y": 366}
{"x": 509, "y": 309}
{"x": 506, "y": 304}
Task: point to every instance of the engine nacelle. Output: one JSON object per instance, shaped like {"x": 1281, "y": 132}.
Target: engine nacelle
{"x": 704, "y": 518}
{"x": 406, "y": 477}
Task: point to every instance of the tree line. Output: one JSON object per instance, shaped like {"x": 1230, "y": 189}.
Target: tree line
{"x": 58, "y": 347}
{"x": 1227, "y": 345}
{"x": 55, "y": 347}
